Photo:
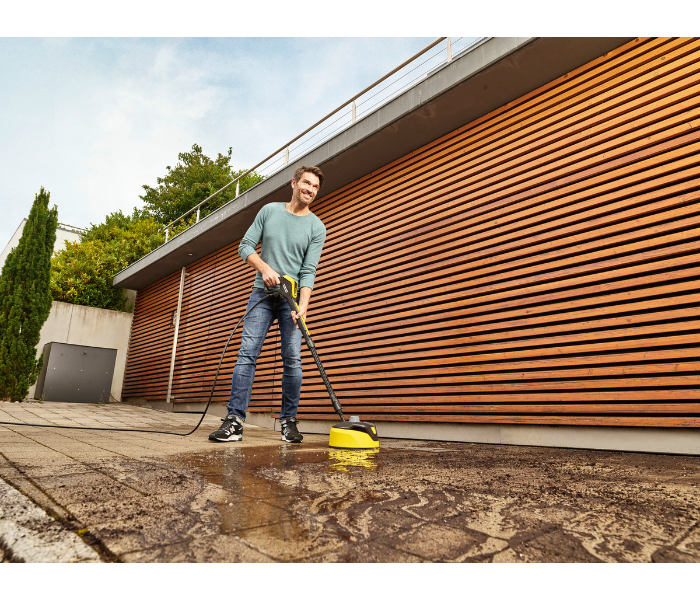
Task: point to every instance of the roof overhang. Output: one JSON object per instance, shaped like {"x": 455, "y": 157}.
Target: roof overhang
{"x": 487, "y": 76}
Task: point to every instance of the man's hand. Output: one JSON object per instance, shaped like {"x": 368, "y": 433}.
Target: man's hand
{"x": 304, "y": 297}
{"x": 269, "y": 275}
{"x": 302, "y": 312}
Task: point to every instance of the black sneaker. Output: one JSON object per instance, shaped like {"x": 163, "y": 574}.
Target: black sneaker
{"x": 290, "y": 433}
{"x": 231, "y": 430}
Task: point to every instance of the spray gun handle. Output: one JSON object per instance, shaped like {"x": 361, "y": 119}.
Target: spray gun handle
{"x": 288, "y": 289}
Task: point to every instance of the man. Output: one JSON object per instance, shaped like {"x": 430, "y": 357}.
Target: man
{"x": 292, "y": 241}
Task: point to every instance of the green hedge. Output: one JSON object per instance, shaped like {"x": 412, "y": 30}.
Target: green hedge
{"x": 82, "y": 272}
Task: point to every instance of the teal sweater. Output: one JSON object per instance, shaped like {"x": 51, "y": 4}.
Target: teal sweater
{"x": 291, "y": 245}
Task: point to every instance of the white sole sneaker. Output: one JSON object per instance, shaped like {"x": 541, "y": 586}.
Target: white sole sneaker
{"x": 233, "y": 438}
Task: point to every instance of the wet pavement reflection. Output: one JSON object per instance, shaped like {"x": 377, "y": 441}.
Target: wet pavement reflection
{"x": 343, "y": 459}
{"x": 270, "y": 502}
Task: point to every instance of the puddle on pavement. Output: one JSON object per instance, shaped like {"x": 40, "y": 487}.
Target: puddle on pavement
{"x": 235, "y": 467}
{"x": 264, "y": 485}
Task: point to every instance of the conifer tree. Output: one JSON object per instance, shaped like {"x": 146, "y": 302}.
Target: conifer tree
{"x": 25, "y": 300}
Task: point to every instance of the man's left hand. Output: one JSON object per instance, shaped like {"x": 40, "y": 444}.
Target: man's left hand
{"x": 302, "y": 312}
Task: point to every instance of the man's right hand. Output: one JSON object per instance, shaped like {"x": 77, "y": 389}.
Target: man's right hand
{"x": 270, "y": 276}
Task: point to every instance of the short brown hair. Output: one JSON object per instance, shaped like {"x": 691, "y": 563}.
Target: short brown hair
{"x": 314, "y": 170}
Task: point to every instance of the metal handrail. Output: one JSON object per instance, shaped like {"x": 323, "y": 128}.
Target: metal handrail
{"x": 288, "y": 144}
{"x": 72, "y": 226}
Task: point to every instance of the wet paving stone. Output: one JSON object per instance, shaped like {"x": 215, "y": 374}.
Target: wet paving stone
{"x": 151, "y": 480}
{"x": 672, "y": 555}
{"x": 134, "y": 533}
{"x": 84, "y": 487}
{"x": 554, "y": 544}
{"x": 293, "y": 539}
{"x": 240, "y": 516}
{"x": 366, "y": 552}
{"x": 55, "y": 470}
{"x": 439, "y": 543}
{"x": 111, "y": 511}
{"x": 206, "y": 549}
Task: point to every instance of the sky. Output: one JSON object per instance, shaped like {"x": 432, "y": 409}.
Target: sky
{"x": 94, "y": 119}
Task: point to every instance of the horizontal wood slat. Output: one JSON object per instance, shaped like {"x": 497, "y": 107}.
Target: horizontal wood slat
{"x": 540, "y": 265}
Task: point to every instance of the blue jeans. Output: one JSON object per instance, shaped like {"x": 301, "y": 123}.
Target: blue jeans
{"x": 255, "y": 328}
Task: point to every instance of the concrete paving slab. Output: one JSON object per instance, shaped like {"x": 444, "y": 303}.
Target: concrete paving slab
{"x": 240, "y": 516}
{"x": 672, "y": 555}
{"x": 53, "y": 462}
{"x": 204, "y": 501}
{"x": 551, "y": 545}
{"x": 508, "y": 556}
{"x": 372, "y": 521}
{"x": 84, "y": 487}
{"x": 133, "y": 534}
{"x": 436, "y": 542}
{"x": 55, "y": 470}
{"x": 618, "y": 521}
{"x": 18, "y": 444}
{"x": 208, "y": 549}
{"x": 29, "y": 451}
{"x": 111, "y": 510}
{"x": 690, "y": 541}
{"x": 292, "y": 540}
{"x": 625, "y": 549}
{"x": 152, "y": 480}
{"x": 28, "y": 488}
{"x": 365, "y": 552}
{"x": 28, "y": 534}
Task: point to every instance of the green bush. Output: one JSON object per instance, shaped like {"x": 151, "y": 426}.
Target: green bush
{"x": 82, "y": 272}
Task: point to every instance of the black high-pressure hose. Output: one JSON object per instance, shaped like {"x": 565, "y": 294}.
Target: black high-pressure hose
{"x": 151, "y": 430}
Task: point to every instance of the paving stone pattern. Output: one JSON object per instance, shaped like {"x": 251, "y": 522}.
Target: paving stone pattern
{"x": 135, "y": 497}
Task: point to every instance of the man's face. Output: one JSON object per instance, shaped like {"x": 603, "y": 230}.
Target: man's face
{"x": 306, "y": 188}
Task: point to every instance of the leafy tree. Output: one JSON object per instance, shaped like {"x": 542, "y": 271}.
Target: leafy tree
{"x": 82, "y": 272}
{"x": 25, "y": 300}
{"x": 194, "y": 178}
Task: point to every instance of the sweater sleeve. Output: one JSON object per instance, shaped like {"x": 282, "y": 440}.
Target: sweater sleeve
{"x": 254, "y": 234}
{"x": 307, "y": 274}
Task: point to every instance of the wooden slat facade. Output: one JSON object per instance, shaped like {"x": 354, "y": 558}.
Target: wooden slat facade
{"x": 539, "y": 265}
